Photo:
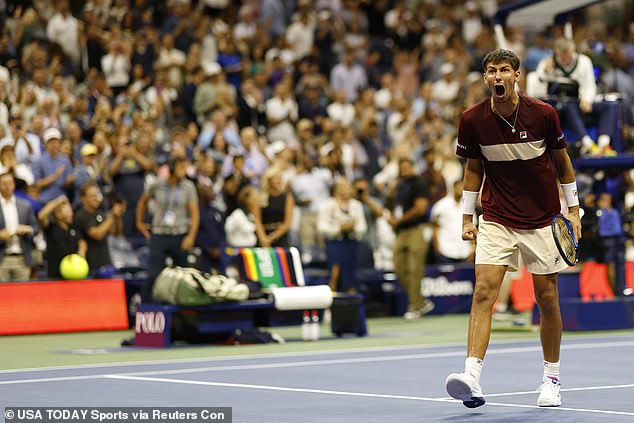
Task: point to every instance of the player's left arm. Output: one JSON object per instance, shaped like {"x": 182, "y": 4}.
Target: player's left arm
{"x": 566, "y": 175}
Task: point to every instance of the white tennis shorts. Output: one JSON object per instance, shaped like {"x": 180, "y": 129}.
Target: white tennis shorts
{"x": 500, "y": 245}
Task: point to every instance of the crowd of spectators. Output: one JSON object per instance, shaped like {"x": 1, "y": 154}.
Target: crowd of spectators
{"x": 270, "y": 103}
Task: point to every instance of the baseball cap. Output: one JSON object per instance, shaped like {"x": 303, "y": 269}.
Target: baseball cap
{"x": 89, "y": 149}
{"x": 52, "y": 134}
{"x": 446, "y": 68}
{"x": 275, "y": 148}
{"x": 304, "y": 124}
{"x": 212, "y": 68}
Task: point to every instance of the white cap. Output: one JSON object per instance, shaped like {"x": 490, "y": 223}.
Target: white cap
{"x": 324, "y": 15}
{"x": 473, "y": 77}
{"x": 382, "y": 99}
{"x": 212, "y": 68}
{"x": 326, "y": 149}
{"x": 446, "y": 68}
{"x": 275, "y": 148}
{"x": 471, "y": 6}
{"x": 52, "y": 134}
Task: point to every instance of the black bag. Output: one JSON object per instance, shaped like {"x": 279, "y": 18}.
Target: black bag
{"x": 348, "y": 315}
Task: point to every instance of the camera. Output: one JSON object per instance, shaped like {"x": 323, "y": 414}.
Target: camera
{"x": 360, "y": 191}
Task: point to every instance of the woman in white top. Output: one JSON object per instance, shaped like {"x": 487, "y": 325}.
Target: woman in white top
{"x": 341, "y": 222}
{"x": 240, "y": 225}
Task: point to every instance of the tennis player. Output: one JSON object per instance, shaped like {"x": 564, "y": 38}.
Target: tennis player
{"x": 518, "y": 143}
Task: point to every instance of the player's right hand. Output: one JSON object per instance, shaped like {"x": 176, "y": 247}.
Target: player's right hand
{"x": 469, "y": 231}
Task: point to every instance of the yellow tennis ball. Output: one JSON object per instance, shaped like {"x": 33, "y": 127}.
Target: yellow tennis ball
{"x": 73, "y": 266}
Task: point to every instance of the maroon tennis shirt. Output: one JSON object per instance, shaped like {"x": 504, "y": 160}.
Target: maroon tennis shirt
{"x": 520, "y": 186}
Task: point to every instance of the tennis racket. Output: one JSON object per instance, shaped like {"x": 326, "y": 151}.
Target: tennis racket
{"x": 565, "y": 239}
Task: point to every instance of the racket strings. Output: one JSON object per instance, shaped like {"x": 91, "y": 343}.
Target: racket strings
{"x": 566, "y": 241}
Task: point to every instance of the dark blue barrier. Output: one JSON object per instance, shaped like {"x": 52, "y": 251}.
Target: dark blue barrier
{"x": 579, "y": 315}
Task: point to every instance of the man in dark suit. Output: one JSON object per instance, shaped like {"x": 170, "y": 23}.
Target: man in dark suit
{"x": 17, "y": 226}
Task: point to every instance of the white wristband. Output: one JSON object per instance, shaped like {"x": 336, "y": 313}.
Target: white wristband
{"x": 570, "y": 193}
{"x": 469, "y": 199}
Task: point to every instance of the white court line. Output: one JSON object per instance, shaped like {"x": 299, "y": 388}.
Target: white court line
{"x": 49, "y": 379}
{"x": 367, "y": 359}
{"x": 249, "y": 356}
{"x": 347, "y": 393}
{"x": 291, "y": 354}
{"x": 585, "y": 388}
{"x": 288, "y": 364}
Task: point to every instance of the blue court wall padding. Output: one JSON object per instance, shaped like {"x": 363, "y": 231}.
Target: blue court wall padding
{"x": 579, "y": 315}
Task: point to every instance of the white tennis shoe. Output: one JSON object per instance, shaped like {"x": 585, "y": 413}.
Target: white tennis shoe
{"x": 465, "y": 387}
{"x": 549, "y": 395}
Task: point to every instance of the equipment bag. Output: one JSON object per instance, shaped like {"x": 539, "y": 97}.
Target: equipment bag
{"x": 180, "y": 286}
{"x": 185, "y": 286}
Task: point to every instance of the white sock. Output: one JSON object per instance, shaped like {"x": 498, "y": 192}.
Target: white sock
{"x": 551, "y": 370}
{"x": 473, "y": 365}
{"x": 603, "y": 141}
{"x": 501, "y": 308}
{"x": 586, "y": 141}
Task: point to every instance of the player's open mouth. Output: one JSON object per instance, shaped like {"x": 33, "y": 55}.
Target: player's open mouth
{"x": 500, "y": 90}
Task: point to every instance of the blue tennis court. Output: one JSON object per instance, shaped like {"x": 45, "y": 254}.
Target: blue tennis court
{"x": 397, "y": 384}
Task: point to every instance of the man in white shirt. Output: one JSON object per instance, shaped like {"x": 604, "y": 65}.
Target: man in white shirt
{"x": 348, "y": 76}
{"x": 341, "y": 110}
{"x": 63, "y": 29}
{"x": 17, "y": 226}
{"x": 116, "y": 67}
{"x": 26, "y": 145}
{"x": 281, "y": 113}
{"x": 311, "y": 187}
{"x": 446, "y": 89}
{"x": 172, "y": 60}
{"x": 300, "y": 35}
{"x": 446, "y": 215}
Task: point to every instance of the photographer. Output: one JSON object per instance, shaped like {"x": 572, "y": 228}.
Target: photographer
{"x": 372, "y": 210}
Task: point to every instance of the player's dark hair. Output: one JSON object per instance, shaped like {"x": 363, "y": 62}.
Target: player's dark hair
{"x": 500, "y": 56}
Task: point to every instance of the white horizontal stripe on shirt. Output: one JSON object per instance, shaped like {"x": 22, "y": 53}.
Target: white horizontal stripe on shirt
{"x": 514, "y": 151}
